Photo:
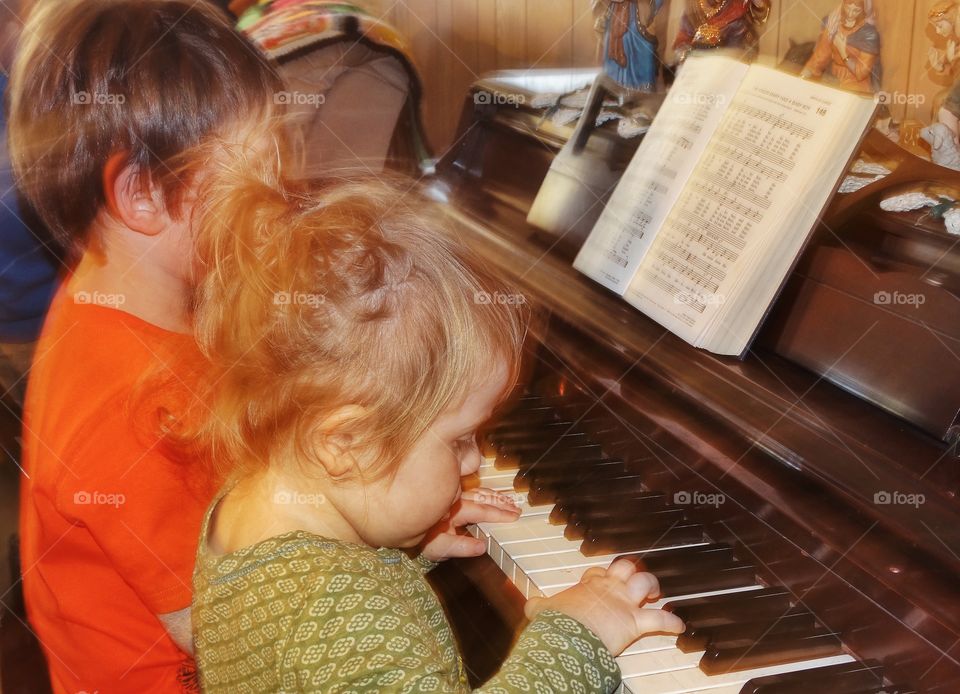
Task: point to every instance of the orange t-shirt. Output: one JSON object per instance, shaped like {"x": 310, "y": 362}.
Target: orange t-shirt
{"x": 109, "y": 520}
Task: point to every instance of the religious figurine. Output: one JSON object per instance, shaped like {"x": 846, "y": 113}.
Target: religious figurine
{"x": 848, "y": 49}
{"x": 945, "y": 19}
{"x": 630, "y": 54}
{"x": 721, "y": 24}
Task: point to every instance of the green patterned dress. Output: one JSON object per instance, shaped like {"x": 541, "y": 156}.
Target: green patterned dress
{"x": 302, "y": 613}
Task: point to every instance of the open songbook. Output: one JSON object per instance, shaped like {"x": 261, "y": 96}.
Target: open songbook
{"x": 721, "y": 197}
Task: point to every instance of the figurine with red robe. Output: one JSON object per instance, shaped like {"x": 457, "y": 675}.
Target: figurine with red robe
{"x": 721, "y": 24}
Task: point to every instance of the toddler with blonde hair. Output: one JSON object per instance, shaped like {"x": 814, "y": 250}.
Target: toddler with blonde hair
{"x": 354, "y": 365}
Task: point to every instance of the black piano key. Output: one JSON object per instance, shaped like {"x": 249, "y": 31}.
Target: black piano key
{"x": 684, "y": 560}
{"x": 640, "y": 540}
{"x": 551, "y": 494}
{"x": 581, "y": 518}
{"x": 698, "y": 638}
{"x": 557, "y": 476}
{"x": 737, "y": 576}
{"x": 887, "y": 689}
{"x": 847, "y": 678}
{"x": 563, "y": 458}
{"x": 525, "y": 417}
{"x": 614, "y": 494}
{"x": 638, "y": 517}
{"x": 538, "y": 432}
{"x": 732, "y": 607}
{"x": 545, "y": 443}
{"x": 565, "y": 449}
{"x": 720, "y": 658}
{"x": 562, "y": 512}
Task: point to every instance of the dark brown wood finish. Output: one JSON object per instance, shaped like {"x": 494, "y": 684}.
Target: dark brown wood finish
{"x": 842, "y": 400}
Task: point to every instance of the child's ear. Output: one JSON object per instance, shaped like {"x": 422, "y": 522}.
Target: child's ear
{"x": 132, "y": 198}
{"x": 335, "y": 442}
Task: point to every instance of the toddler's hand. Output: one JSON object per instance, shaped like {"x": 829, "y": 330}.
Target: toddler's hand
{"x": 475, "y": 506}
{"x": 607, "y": 601}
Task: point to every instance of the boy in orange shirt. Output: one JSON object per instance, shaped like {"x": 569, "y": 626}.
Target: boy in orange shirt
{"x": 110, "y": 103}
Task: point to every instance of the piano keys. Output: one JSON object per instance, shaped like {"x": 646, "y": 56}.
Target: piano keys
{"x": 739, "y": 632}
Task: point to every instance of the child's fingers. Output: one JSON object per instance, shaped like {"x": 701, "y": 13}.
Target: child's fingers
{"x": 471, "y": 512}
{"x": 642, "y": 587}
{"x": 652, "y": 621}
{"x": 532, "y": 607}
{"x": 482, "y": 495}
{"x": 622, "y": 569}
{"x": 450, "y": 546}
{"x": 593, "y": 572}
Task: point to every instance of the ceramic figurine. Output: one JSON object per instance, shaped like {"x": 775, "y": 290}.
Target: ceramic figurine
{"x": 721, "y": 24}
{"x": 848, "y": 50}
{"x": 630, "y": 54}
{"x": 945, "y": 19}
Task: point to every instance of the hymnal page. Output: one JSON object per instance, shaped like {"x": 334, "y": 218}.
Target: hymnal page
{"x": 748, "y": 208}
{"x": 656, "y": 176}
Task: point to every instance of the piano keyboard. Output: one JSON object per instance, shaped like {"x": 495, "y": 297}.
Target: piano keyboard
{"x": 580, "y": 509}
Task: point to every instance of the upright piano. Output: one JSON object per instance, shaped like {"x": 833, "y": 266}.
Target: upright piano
{"x": 799, "y": 506}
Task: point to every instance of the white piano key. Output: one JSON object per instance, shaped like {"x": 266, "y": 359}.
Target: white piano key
{"x": 657, "y": 642}
{"x": 562, "y": 560}
{"x": 657, "y": 661}
{"x": 531, "y": 528}
{"x": 534, "y": 547}
{"x": 693, "y": 679}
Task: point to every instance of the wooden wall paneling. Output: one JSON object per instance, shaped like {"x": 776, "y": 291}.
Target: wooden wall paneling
{"x": 549, "y": 25}
{"x": 770, "y": 34}
{"x": 511, "y": 39}
{"x": 586, "y": 40}
{"x": 895, "y": 20}
{"x": 925, "y": 82}
{"x": 467, "y": 44}
{"x": 417, "y": 21}
{"x": 487, "y": 36}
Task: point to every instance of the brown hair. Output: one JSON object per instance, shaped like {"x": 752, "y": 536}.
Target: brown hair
{"x": 357, "y": 293}
{"x": 150, "y": 78}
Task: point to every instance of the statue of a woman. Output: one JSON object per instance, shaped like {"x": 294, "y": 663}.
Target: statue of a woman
{"x": 721, "y": 24}
{"x": 945, "y": 19}
{"x": 630, "y": 54}
{"x": 848, "y": 48}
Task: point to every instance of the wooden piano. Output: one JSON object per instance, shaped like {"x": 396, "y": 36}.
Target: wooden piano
{"x": 799, "y": 506}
